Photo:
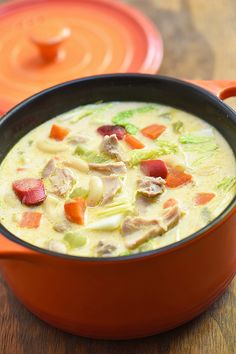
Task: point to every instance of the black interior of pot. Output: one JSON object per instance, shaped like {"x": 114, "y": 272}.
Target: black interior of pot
{"x": 124, "y": 87}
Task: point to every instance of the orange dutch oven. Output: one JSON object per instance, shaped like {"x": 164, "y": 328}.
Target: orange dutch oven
{"x": 130, "y": 296}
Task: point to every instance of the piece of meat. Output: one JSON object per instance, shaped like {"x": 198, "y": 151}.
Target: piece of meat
{"x": 112, "y": 129}
{"x": 30, "y": 191}
{"x": 109, "y": 168}
{"x": 150, "y": 186}
{"x": 61, "y": 180}
{"x": 171, "y": 216}
{"x": 110, "y": 146}
{"x": 137, "y": 230}
{"x": 104, "y": 249}
{"x": 49, "y": 168}
{"x": 154, "y": 168}
{"x": 111, "y": 185}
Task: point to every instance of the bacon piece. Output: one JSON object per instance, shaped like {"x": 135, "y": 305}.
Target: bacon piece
{"x": 30, "y": 191}
{"x": 154, "y": 168}
{"x": 112, "y": 129}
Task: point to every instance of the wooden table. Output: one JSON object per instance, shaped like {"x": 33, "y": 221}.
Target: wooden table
{"x": 200, "y": 42}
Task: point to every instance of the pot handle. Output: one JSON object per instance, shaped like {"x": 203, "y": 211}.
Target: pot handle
{"x": 10, "y": 249}
{"x": 221, "y": 88}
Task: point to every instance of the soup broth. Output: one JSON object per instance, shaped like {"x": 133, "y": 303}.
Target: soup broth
{"x": 112, "y": 179}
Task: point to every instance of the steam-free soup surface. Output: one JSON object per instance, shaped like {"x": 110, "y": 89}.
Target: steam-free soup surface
{"x": 113, "y": 179}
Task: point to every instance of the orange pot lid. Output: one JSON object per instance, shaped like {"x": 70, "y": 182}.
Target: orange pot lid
{"x": 45, "y": 42}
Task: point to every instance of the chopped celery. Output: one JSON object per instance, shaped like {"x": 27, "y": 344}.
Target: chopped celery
{"x": 79, "y": 192}
{"x": 226, "y": 184}
{"x": 90, "y": 156}
{"x": 107, "y": 224}
{"x": 163, "y": 148}
{"x": 178, "y": 126}
{"x": 119, "y": 206}
{"x": 75, "y": 239}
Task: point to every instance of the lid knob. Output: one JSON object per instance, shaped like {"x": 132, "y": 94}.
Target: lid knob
{"x": 48, "y": 38}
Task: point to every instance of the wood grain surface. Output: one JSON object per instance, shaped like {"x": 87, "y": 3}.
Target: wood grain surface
{"x": 200, "y": 42}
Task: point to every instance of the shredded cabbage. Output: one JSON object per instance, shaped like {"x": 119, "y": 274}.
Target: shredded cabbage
{"x": 90, "y": 156}
{"x": 197, "y": 143}
{"x": 227, "y": 183}
{"x": 162, "y": 148}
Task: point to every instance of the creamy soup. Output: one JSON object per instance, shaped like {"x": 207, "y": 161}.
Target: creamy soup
{"x": 117, "y": 178}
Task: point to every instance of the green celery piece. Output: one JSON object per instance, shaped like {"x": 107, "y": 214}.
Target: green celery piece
{"x": 118, "y": 206}
{"x": 178, "y": 126}
{"x": 79, "y": 192}
{"x": 75, "y": 239}
{"x": 226, "y": 184}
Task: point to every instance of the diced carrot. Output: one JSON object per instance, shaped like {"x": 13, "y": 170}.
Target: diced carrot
{"x": 58, "y": 133}
{"x": 203, "y": 198}
{"x": 169, "y": 203}
{"x": 21, "y": 169}
{"x": 75, "y": 210}
{"x": 30, "y": 219}
{"x": 153, "y": 131}
{"x": 177, "y": 178}
{"x": 133, "y": 142}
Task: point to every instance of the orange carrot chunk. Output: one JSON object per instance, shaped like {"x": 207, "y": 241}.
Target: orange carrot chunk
{"x": 75, "y": 210}
{"x": 133, "y": 142}
{"x": 203, "y": 198}
{"x": 30, "y": 219}
{"x": 58, "y": 133}
{"x": 169, "y": 203}
{"x": 153, "y": 131}
{"x": 177, "y": 178}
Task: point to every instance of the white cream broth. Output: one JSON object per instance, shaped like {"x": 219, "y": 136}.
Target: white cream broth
{"x": 188, "y": 145}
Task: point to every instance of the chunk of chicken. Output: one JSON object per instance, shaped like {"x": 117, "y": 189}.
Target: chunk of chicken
{"x": 62, "y": 180}
{"x": 137, "y": 230}
{"x": 104, "y": 249}
{"x": 150, "y": 186}
{"x": 111, "y": 185}
{"x": 49, "y": 168}
{"x": 171, "y": 216}
{"x": 109, "y": 168}
{"x": 110, "y": 146}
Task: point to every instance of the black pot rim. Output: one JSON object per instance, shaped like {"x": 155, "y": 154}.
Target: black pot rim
{"x": 203, "y": 232}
